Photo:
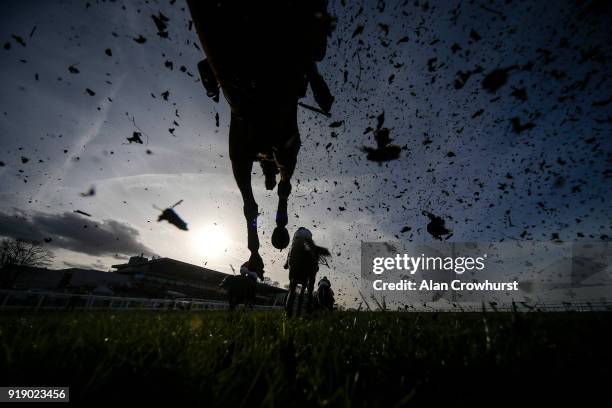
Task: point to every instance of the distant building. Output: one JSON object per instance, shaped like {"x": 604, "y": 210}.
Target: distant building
{"x": 159, "y": 278}
{"x": 73, "y": 280}
{"x": 181, "y": 279}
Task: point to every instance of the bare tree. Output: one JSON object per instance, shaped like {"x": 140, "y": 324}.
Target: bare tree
{"x": 15, "y": 253}
{"x": 22, "y": 252}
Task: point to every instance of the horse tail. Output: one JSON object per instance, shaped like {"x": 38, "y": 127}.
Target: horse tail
{"x": 322, "y": 253}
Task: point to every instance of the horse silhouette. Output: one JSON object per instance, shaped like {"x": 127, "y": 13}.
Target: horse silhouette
{"x": 303, "y": 263}
{"x": 324, "y": 299}
{"x": 240, "y": 290}
{"x": 263, "y": 68}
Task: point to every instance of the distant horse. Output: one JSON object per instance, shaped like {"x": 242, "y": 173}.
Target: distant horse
{"x": 240, "y": 289}
{"x": 303, "y": 264}
{"x": 263, "y": 56}
{"x": 324, "y": 299}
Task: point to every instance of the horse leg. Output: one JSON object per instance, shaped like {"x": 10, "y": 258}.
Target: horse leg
{"x": 242, "y": 175}
{"x": 290, "y": 299}
{"x": 280, "y": 235}
{"x": 286, "y": 161}
{"x": 241, "y": 156}
{"x": 309, "y": 307}
{"x": 270, "y": 170}
{"x": 301, "y": 299}
{"x": 251, "y": 298}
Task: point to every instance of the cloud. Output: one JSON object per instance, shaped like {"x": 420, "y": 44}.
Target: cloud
{"x": 97, "y": 265}
{"x": 74, "y": 232}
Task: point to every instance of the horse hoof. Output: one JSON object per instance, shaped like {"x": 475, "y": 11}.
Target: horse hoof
{"x": 256, "y": 264}
{"x": 280, "y": 238}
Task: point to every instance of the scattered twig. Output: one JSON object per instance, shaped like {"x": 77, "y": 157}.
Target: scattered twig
{"x": 365, "y": 301}
{"x": 314, "y": 109}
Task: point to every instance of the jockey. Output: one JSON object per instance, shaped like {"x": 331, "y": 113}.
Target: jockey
{"x": 244, "y": 270}
{"x": 324, "y": 282}
{"x": 302, "y": 233}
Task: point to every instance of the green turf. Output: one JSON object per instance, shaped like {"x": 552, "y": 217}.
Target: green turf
{"x": 342, "y": 359}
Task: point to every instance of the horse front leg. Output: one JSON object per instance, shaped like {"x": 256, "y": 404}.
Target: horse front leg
{"x": 242, "y": 174}
{"x": 290, "y": 298}
{"x": 300, "y": 299}
{"x": 280, "y": 235}
{"x": 309, "y": 306}
{"x": 286, "y": 161}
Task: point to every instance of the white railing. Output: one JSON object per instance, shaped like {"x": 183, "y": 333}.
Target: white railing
{"x": 51, "y": 301}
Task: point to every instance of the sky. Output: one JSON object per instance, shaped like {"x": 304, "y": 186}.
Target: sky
{"x": 502, "y": 110}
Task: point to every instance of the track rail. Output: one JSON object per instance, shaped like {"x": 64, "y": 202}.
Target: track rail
{"x": 14, "y": 300}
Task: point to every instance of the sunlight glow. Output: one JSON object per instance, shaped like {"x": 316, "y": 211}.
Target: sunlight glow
{"x": 210, "y": 240}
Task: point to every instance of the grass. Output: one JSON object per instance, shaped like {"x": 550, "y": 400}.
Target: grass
{"x": 342, "y": 359}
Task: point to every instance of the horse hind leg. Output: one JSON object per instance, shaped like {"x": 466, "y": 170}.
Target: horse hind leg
{"x": 270, "y": 170}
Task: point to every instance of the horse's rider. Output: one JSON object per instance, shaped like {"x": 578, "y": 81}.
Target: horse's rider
{"x": 323, "y": 285}
{"x": 301, "y": 234}
{"x": 324, "y": 282}
{"x": 245, "y": 271}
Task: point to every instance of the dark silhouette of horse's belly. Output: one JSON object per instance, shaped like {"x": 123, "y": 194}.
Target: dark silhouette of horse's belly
{"x": 259, "y": 51}
{"x": 240, "y": 289}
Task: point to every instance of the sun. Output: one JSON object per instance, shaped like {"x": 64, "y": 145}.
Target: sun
{"x": 210, "y": 240}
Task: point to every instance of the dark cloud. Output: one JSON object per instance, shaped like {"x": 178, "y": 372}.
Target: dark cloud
{"x": 74, "y": 232}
